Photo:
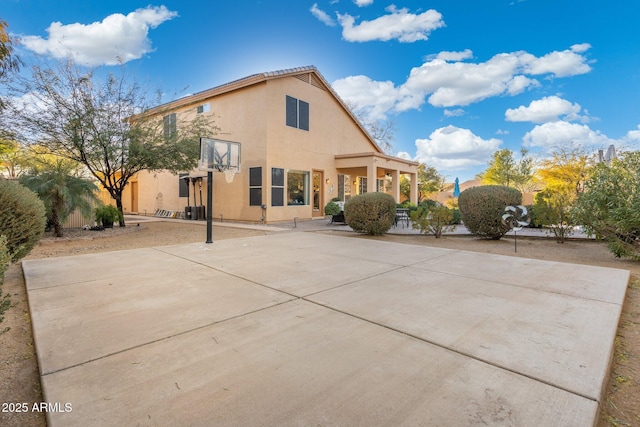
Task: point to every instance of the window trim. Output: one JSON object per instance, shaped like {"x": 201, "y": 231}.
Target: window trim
{"x": 255, "y": 185}
{"x": 277, "y": 189}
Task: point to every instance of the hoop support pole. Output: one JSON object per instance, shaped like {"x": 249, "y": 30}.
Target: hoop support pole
{"x": 209, "y": 206}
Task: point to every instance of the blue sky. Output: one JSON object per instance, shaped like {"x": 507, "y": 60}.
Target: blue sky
{"x": 460, "y": 78}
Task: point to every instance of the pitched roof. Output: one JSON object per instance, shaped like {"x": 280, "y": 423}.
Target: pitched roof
{"x": 318, "y": 81}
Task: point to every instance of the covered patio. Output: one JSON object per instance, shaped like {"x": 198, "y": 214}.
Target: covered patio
{"x": 368, "y": 169}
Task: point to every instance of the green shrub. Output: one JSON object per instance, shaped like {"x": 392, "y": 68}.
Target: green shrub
{"x": 5, "y": 259}
{"x": 332, "y": 208}
{"x": 429, "y": 203}
{"x": 553, "y": 209}
{"x": 482, "y": 209}
{"x": 457, "y": 217}
{"x": 610, "y": 205}
{"x": 432, "y": 220}
{"x": 107, "y": 215}
{"x": 371, "y": 213}
{"x": 407, "y": 205}
{"x": 22, "y": 218}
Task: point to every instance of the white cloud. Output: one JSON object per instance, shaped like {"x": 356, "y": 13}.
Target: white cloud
{"x": 322, "y": 16}
{"x": 445, "y": 80}
{"x": 455, "y": 148}
{"x": 454, "y": 113}
{"x": 547, "y": 109}
{"x": 561, "y": 64}
{"x": 375, "y": 98}
{"x": 399, "y": 24}
{"x": 633, "y": 136}
{"x": 117, "y": 37}
{"x": 454, "y": 56}
{"x": 561, "y": 133}
{"x": 362, "y": 3}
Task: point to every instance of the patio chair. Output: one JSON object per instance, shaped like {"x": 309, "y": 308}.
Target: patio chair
{"x": 402, "y": 217}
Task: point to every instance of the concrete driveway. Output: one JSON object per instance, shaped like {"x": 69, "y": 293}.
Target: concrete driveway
{"x": 310, "y": 329}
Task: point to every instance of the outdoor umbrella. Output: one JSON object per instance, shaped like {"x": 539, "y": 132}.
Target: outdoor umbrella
{"x": 456, "y": 188}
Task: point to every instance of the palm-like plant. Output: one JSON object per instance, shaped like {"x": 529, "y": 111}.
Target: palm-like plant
{"x": 57, "y": 182}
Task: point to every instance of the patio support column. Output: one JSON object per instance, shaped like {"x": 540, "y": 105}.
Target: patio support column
{"x": 395, "y": 185}
{"x": 413, "y": 197}
{"x": 372, "y": 174}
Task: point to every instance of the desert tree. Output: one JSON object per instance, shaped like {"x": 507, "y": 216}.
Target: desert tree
{"x": 101, "y": 119}
{"x": 504, "y": 169}
{"x": 563, "y": 174}
{"x": 9, "y": 61}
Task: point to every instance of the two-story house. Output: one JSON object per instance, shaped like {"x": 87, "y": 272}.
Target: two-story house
{"x": 300, "y": 148}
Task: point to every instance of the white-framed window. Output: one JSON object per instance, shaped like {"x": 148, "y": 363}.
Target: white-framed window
{"x": 344, "y": 187}
{"x": 277, "y": 187}
{"x": 170, "y": 125}
{"x": 362, "y": 184}
{"x": 297, "y": 188}
{"x": 204, "y": 108}
{"x": 255, "y": 186}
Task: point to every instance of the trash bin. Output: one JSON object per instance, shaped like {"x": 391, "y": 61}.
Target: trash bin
{"x": 201, "y": 213}
{"x": 187, "y": 212}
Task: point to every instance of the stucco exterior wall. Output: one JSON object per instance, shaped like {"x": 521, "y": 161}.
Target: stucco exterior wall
{"x": 255, "y": 116}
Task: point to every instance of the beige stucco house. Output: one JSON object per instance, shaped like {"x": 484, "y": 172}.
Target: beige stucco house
{"x": 300, "y": 148}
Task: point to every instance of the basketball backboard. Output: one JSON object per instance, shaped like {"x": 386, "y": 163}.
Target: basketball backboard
{"x": 219, "y": 155}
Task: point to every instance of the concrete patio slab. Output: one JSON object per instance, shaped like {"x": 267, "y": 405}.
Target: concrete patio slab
{"x": 302, "y": 328}
{"x": 300, "y": 364}
{"x": 543, "y": 335}
{"x": 584, "y": 281}
{"x": 86, "y": 321}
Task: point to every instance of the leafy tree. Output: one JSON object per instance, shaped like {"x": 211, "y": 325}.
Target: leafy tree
{"x": 9, "y": 62}
{"x": 505, "y": 170}
{"x": 61, "y": 189}
{"x": 563, "y": 173}
{"x": 429, "y": 181}
{"x": 14, "y": 158}
{"x": 105, "y": 123}
{"x": 609, "y": 207}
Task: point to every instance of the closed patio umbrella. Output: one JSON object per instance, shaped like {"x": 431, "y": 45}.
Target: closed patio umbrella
{"x": 456, "y": 188}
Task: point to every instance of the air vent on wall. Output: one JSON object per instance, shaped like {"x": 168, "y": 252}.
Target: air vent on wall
{"x": 310, "y": 79}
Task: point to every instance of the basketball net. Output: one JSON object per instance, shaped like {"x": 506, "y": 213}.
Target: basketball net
{"x": 229, "y": 173}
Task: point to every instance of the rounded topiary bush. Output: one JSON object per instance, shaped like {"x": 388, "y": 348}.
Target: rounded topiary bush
{"x": 22, "y": 218}
{"x": 481, "y": 209}
{"x": 332, "y": 208}
{"x": 371, "y": 213}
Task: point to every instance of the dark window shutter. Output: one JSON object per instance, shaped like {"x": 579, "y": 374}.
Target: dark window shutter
{"x": 303, "y": 115}
{"x": 292, "y": 112}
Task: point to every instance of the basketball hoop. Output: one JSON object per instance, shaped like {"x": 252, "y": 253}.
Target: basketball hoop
{"x": 217, "y": 156}
{"x": 229, "y": 174}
